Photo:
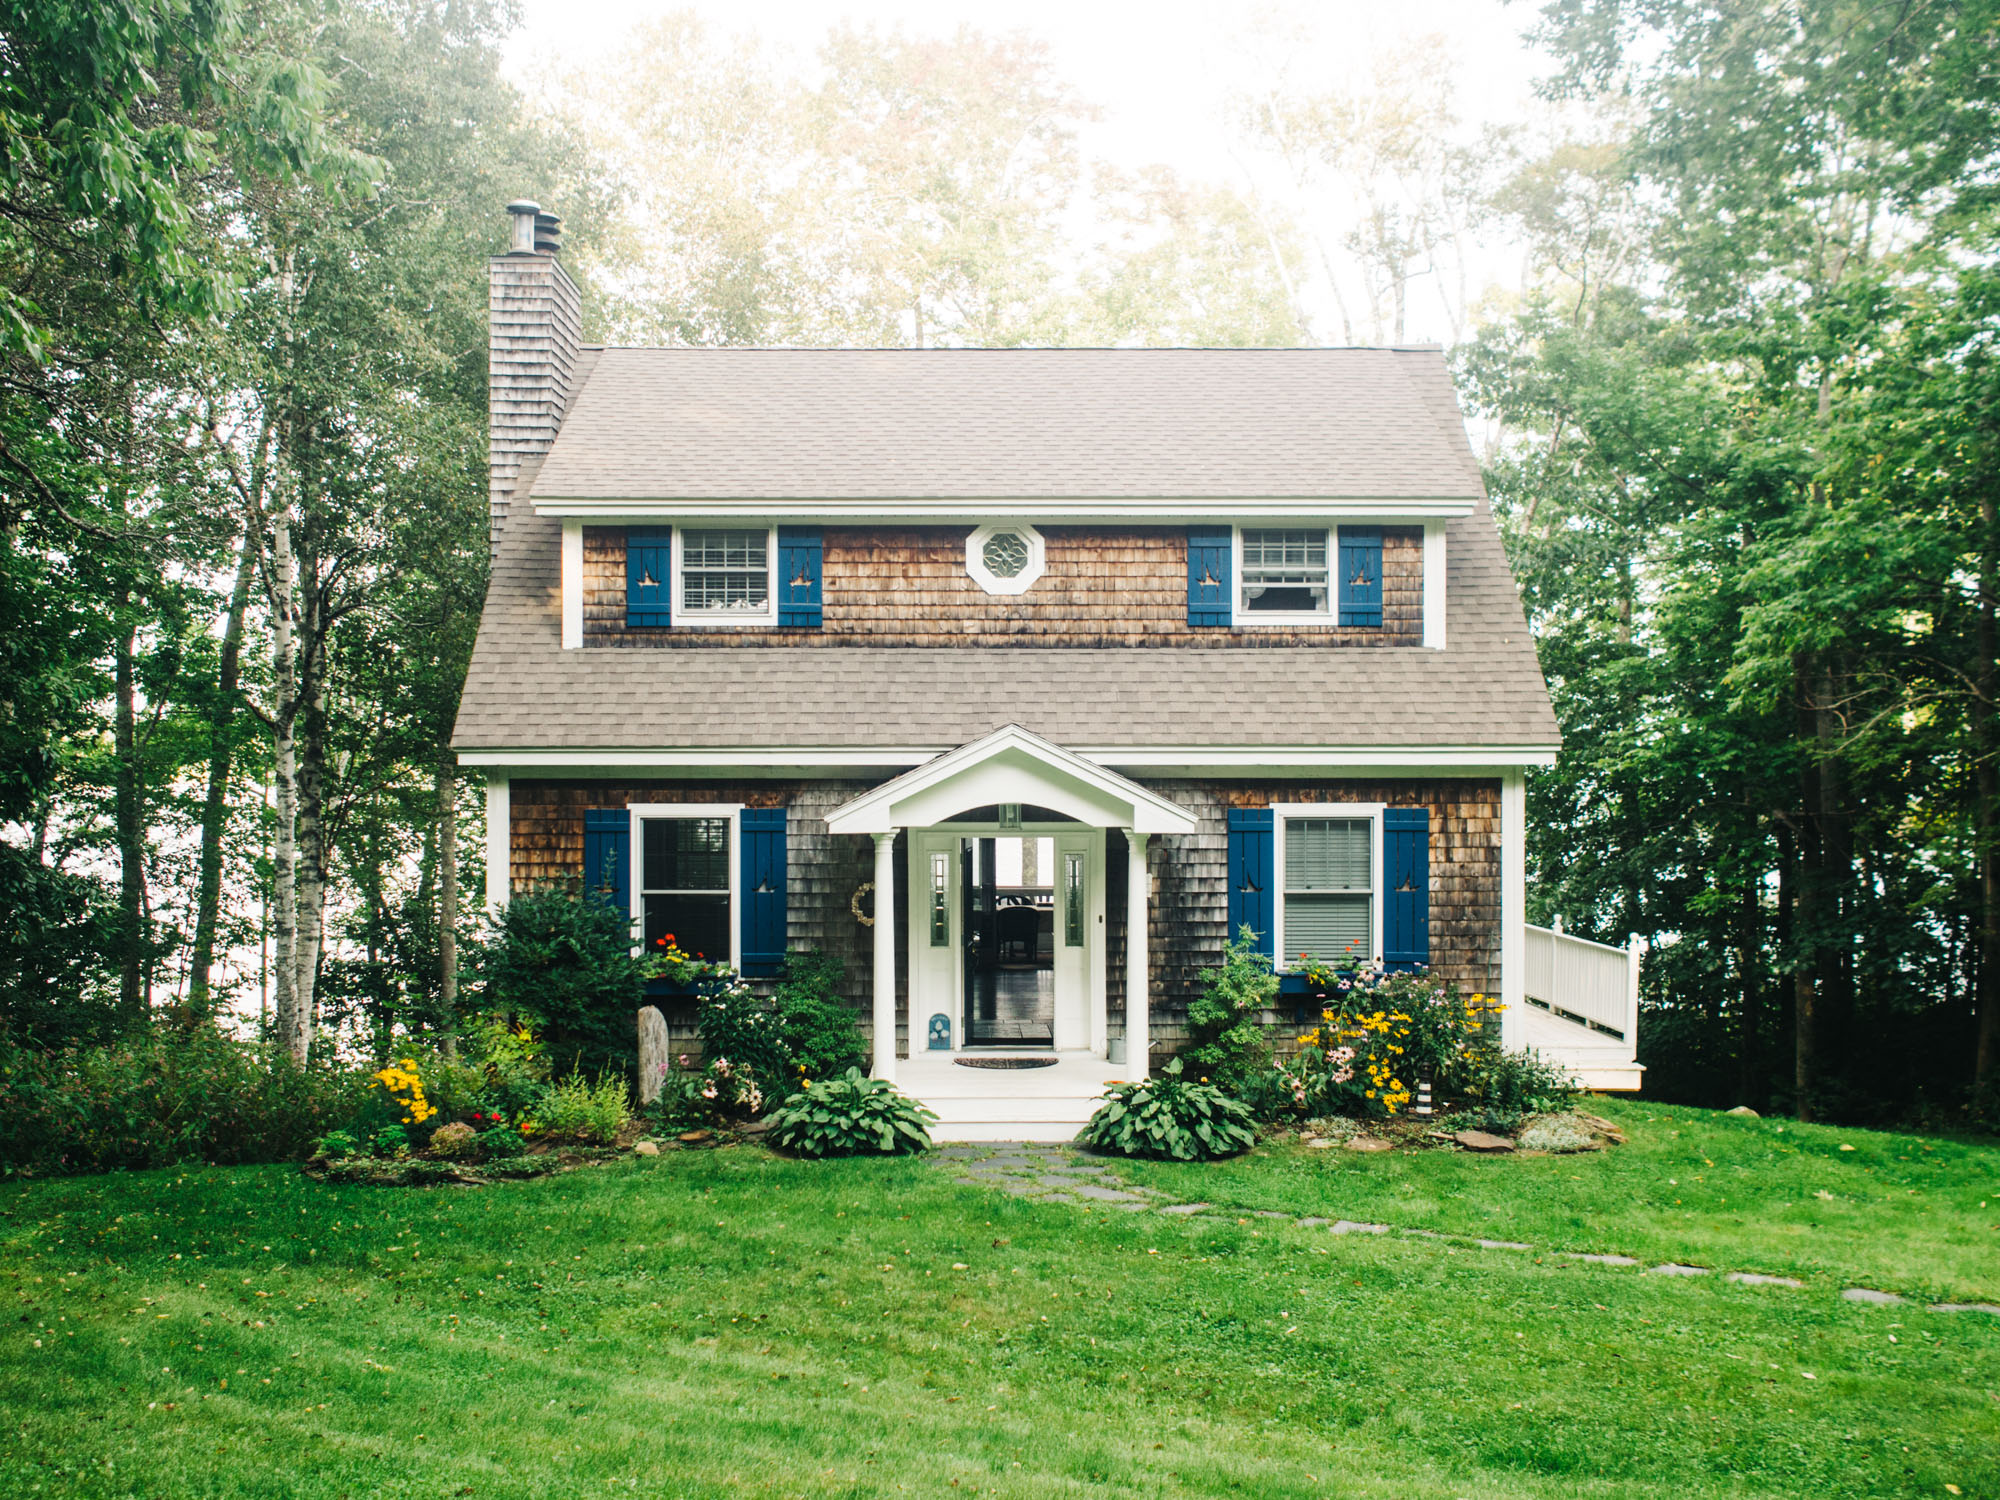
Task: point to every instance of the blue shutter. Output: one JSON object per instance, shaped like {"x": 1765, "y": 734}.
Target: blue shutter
{"x": 649, "y": 577}
{"x": 1361, "y": 575}
{"x": 607, "y": 856}
{"x": 799, "y": 556}
{"x": 763, "y": 910}
{"x": 1208, "y": 577}
{"x": 1251, "y": 882}
{"x": 1406, "y": 887}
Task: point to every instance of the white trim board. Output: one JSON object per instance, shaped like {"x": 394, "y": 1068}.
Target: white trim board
{"x": 1458, "y": 760}
{"x": 1070, "y": 511}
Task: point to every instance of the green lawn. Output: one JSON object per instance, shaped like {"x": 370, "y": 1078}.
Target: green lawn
{"x": 726, "y": 1323}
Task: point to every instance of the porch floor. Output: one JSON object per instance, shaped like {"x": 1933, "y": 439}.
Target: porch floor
{"x": 1006, "y": 1104}
{"x": 1599, "y": 1061}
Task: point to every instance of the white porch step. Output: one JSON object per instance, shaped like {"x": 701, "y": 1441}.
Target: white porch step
{"x": 1599, "y": 1062}
{"x": 1029, "y": 1104}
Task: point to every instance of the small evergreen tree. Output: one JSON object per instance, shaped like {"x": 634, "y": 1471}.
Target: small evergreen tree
{"x": 1229, "y": 1046}
{"x": 564, "y": 962}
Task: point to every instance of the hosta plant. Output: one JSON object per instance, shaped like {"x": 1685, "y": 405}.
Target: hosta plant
{"x": 1170, "y": 1119}
{"x": 851, "y": 1116}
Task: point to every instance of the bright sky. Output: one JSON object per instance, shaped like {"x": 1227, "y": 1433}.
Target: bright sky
{"x": 1159, "y": 70}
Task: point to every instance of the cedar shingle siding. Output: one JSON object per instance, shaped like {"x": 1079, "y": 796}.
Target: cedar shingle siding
{"x": 1189, "y": 909}
{"x": 907, "y": 586}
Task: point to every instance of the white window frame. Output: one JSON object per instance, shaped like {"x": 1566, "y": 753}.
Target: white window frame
{"x": 716, "y": 619}
{"x": 1284, "y": 812}
{"x": 642, "y": 812}
{"x": 1290, "y": 619}
{"x": 1021, "y": 582}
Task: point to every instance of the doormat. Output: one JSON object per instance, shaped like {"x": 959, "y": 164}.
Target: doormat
{"x": 1005, "y": 1062}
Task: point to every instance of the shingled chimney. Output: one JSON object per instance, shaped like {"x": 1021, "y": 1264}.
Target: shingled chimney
{"x": 534, "y": 324}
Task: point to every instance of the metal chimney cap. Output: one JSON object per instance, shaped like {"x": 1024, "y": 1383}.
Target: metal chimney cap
{"x": 524, "y": 206}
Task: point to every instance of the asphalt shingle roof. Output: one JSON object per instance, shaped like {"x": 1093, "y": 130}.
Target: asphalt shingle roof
{"x": 754, "y": 424}
{"x": 1485, "y": 689}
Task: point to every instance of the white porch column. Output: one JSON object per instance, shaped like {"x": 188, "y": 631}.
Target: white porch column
{"x": 885, "y": 956}
{"x": 1138, "y": 1001}
{"x": 1513, "y": 908}
{"x": 499, "y": 842}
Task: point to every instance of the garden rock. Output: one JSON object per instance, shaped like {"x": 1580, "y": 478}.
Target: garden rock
{"x": 1600, "y": 1126}
{"x": 1479, "y": 1140}
{"x": 1557, "y": 1134}
{"x": 1985, "y": 1307}
{"x": 1744, "y": 1111}
{"x": 693, "y": 1137}
{"x": 1316, "y": 1144}
{"x": 645, "y": 1148}
{"x": 1368, "y": 1143}
{"x": 653, "y": 1050}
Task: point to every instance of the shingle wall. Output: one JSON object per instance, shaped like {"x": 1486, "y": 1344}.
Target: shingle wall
{"x": 907, "y": 586}
{"x": 1189, "y": 908}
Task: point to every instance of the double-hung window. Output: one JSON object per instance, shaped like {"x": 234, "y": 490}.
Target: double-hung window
{"x": 725, "y": 576}
{"x": 687, "y": 878}
{"x": 1284, "y": 572}
{"x": 1327, "y": 880}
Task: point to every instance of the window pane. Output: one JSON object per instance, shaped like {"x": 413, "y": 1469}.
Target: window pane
{"x": 1072, "y": 900}
{"x": 685, "y": 854}
{"x": 1285, "y": 571}
{"x": 1327, "y": 854}
{"x": 725, "y": 570}
{"x": 1328, "y": 927}
{"x": 698, "y": 925}
{"x": 940, "y": 901}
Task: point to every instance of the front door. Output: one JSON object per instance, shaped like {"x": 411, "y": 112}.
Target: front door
{"x": 936, "y": 930}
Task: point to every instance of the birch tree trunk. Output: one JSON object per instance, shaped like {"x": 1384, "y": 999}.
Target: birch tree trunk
{"x": 131, "y": 824}
{"x": 215, "y": 805}
{"x": 311, "y": 841}
{"x": 289, "y": 1021}
{"x": 1986, "y": 791}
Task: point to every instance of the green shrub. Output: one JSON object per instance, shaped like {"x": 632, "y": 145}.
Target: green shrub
{"x": 1521, "y": 1083}
{"x": 1481, "y": 1117}
{"x": 1170, "y": 1119}
{"x": 160, "y": 1097}
{"x": 1226, "y": 1040}
{"x": 511, "y": 1060}
{"x": 498, "y": 1142}
{"x": 453, "y": 1141}
{"x": 816, "y": 1025}
{"x": 576, "y": 1108}
{"x": 336, "y": 1144}
{"x": 564, "y": 963}
{"x": 851, "y": 1116}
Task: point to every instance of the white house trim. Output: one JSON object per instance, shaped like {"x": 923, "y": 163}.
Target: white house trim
{"x": 637, "y": 813}
{"x": 1513, "y": 908}
{"x": 1283, "y": 812}
{"x": 1010, "y": 765}
{"x": 572, "y": 585}
{"x": 1463, "y": 760}
{"x": 1082, "y": 510}
{"x": 499, "y": 843}
{"x": 1434, "y": 575}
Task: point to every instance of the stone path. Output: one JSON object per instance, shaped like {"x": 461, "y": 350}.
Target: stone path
{"x": 1063, "y": 1174}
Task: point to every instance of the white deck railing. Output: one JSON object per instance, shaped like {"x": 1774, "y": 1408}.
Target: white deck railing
{"x": 1592, "y": 984}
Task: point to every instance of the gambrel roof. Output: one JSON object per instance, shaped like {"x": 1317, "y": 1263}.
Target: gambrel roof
{"x": 816, "y": 424}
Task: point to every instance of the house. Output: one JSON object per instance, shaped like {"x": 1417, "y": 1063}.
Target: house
{"x": 1015, "y": 678}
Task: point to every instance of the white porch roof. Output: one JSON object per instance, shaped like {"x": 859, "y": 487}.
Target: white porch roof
{"x": 1011, "y": 764}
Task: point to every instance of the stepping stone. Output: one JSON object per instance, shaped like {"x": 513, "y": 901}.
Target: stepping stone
{"x": 1865, "y": 1294}
{"x": 953, "y": 1153}
{"x": 1100, "y": 1194}
{"x": 1755, "y": 1278}
{"x": 1271, "y": 1213}
{"x": 1985, "y": 1307}
{"x": 1371, "y": 1143}
{"x": 1350, "y": 1226}
{"x": 1316, "y": 1144}
{"x": 1479, "y": 1140}
{"x": 1503, "y": 1245}
{"x": 1134, "y": 1208}
{"x": 1599, "y": 1260}
{"x": 1671, "y": 1269}
{"x": 1020, "y": 1188}
{"x": 1190, "y": 1208}
{"x": 1303, "y": 1223}
{"x": 1423, "y": 1234}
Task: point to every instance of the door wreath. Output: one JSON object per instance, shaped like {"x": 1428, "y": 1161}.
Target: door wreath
{"x": 867, "y": 888}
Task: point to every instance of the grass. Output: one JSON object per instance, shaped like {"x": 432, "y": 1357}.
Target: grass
{"x": 1908, "y": 1213}
{"x": 727, "y": 1323}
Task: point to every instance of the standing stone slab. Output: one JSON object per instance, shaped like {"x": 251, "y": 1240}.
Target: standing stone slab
{"x": 654, "y": 1058}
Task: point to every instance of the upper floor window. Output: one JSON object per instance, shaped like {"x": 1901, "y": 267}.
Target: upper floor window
{"x": 1005, "y": 558}
{"x": 725, "y": 576}
{"x": 1285, "y": 573}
